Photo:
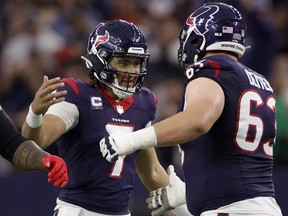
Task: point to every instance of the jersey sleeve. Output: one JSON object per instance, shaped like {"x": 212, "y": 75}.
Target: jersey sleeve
{"x": 68, "y": 109}
{"x": 9, "y": 135}
{"x": 220, "y": 72}
{"x": 68, "y": 112}
{"x": 72, "y": 88}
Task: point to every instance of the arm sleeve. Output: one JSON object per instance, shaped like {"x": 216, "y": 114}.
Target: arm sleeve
{"x": 10, "y": 137}
{"x": 68, "y": 112}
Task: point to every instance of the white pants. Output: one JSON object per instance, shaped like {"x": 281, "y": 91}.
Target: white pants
{"x": 66, "y": 209}
{"x": 260, "y": 206}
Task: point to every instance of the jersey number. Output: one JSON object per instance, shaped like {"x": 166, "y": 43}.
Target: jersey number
{"x": 117, "y": 167}
{"x": 248, "y": 121}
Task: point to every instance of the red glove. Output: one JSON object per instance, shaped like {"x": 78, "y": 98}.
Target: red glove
{"x": 57, "y": 170}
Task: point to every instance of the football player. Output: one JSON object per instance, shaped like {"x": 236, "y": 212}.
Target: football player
{"x": 225, "y": 124}
{"x": 24, "y": 154}
{"x": 117, "y": 56}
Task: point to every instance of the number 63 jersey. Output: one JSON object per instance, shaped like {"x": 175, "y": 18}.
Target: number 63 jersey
{"x": 234, "y": 160}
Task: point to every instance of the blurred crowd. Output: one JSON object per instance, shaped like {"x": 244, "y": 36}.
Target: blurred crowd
{"x": 47, "y": 37}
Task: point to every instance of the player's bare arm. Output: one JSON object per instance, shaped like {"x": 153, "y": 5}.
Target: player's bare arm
{"x": 150, "y": 171}
{"x": 28, "y": 156}
{"x": 204, "y": 104}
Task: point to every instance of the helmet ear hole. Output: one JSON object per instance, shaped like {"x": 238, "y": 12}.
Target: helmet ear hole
{"x": 193, "y": 49}
{"x": 196, "y": 41}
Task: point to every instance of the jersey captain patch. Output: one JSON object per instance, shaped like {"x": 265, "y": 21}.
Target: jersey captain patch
{"x": 96, "y": 103}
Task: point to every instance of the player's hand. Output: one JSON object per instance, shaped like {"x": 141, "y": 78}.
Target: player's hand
{"x": 47, "y": 95}
{"x": 57, "y": 170}
{"x": 169, "y": 197}
{"x": 108, "y": 148}
{"x": 120, "y": 143}
{"x": 117, "y": 143}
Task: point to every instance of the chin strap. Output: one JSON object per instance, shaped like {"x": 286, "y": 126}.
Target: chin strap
{"x": 121, "y": 94}
{"x": 119, "y": 90}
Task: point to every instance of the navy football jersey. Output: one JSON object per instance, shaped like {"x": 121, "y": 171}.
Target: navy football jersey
{"x": 234, "y": 160}
{"x": 94, "y": 183}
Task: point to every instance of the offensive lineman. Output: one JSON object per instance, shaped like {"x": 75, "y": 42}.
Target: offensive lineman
{"x": 225, "y": 125}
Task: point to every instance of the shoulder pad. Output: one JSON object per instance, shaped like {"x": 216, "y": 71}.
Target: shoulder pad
{"x": 72, "y": 83}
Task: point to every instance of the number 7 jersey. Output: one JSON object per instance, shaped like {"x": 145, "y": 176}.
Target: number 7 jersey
{"x": 234, "y": 160}
{"x": 94, "y": 183}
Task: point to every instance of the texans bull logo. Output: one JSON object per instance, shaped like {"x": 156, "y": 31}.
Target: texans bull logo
{"x": 95, "y": 39}
{"x": 200, "y": 22}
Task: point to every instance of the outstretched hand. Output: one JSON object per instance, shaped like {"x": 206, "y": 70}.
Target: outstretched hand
{"x": 47, "y": 95}
{"x": 57, "y": 170}
{"x": 118, "y": 142}
{"x": 108, "y": 146}
{"x": 122, "y": 141}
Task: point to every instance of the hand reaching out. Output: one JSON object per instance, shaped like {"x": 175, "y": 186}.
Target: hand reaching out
{"x": 108, "y": 145}
{"x": 47, "y": 95}
{"x": 169, "y": 197}
{"x": 119, "y": 143}
{"x": 57, "y": 170}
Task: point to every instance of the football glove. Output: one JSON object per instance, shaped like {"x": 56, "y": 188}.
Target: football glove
{"x": 108, "y": 148}
{"x": 57, "y": 170}
{"x": 120, "y": 143}
{"x": 169, "y": 197}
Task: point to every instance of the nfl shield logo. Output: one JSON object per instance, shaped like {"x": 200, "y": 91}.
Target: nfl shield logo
{"x": 120, "y": 109}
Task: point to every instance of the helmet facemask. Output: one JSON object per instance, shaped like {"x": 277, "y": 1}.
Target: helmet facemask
{"x": 132, "y": 81}
{"x": 191, "y": 46}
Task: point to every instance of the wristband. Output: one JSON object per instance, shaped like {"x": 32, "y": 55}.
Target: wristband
{"x": 33, "y": 120}
{"x": 144, "y": 138}
{"x": 126, "y": 143}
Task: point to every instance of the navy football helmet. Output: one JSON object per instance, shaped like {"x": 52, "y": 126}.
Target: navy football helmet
{"x": 116, "y": 38}
{"x": 214, "y": 26}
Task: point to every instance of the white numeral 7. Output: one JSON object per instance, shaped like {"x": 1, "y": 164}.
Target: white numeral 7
{"x": 118, "y": 165}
